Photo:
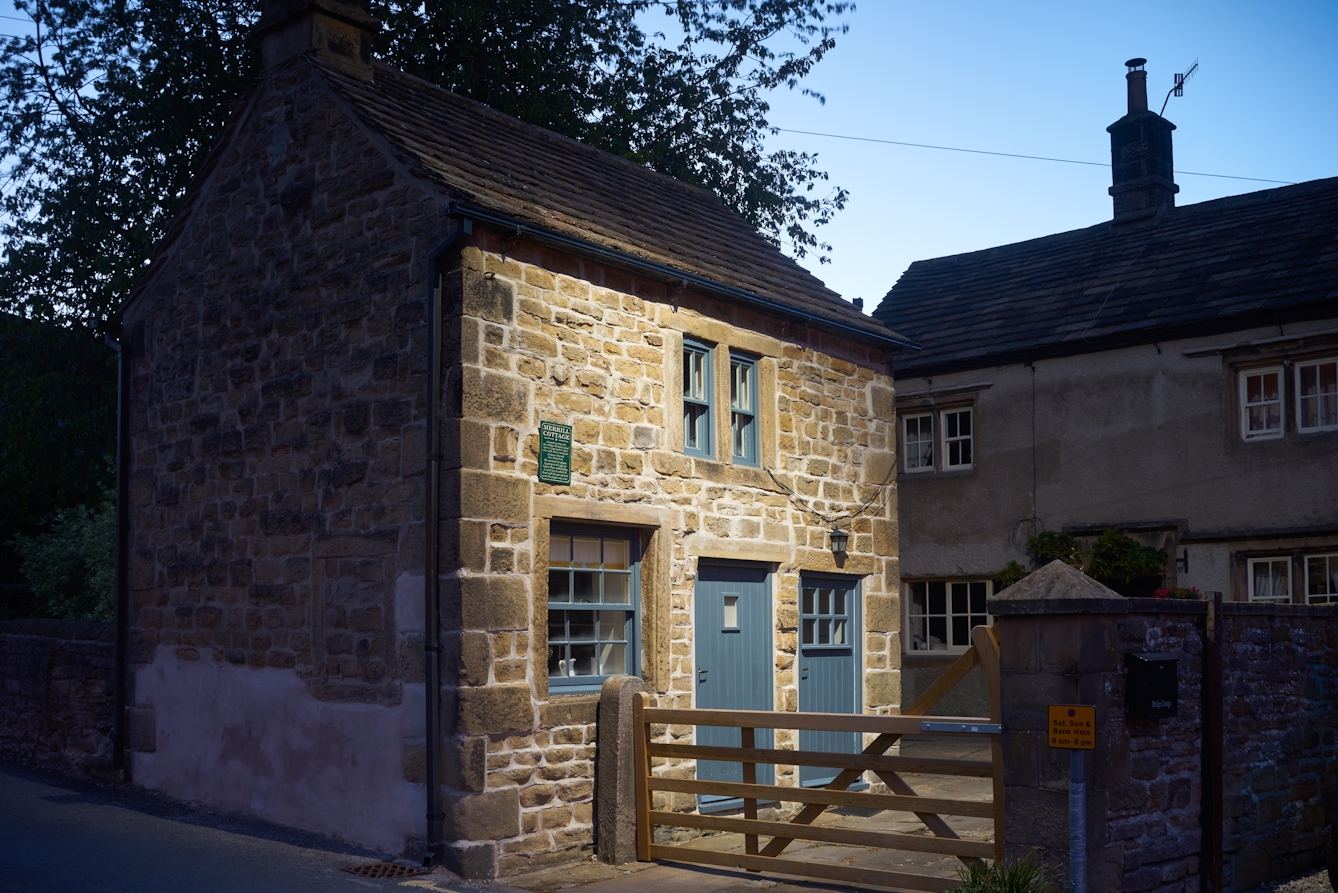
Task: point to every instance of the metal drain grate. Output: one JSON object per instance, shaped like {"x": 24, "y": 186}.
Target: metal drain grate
{"x": 384, "y": 870}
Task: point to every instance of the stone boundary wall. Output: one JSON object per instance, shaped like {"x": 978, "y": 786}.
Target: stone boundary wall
{"x": 1280, "y": 738}
{"x": 1154, "y": 811}
{"x": 56, "y": 694}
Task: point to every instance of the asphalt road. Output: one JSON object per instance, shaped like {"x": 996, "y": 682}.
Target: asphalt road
{"x": 59, "y": 836}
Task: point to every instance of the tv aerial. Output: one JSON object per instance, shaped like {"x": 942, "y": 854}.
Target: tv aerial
{"x": 1179, "y": 88}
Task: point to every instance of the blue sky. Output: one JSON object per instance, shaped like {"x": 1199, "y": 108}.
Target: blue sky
{"x": 1046, "y": 79}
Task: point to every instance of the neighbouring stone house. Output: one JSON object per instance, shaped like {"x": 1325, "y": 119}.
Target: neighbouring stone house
{"x": 357, "y": 230}
{"x": 1171, "y": 373}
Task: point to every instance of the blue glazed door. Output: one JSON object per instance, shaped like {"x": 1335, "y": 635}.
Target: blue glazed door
{"x": 732, "y": 628}
{"x": 829, "y": 638}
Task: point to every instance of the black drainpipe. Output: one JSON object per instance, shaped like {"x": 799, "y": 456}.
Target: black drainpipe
{"x": 431, "y": 566}
{"x": 120, "y": 693}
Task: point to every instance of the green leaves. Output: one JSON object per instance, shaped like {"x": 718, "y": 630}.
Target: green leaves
{"x": 72, "y": 568}
{"x": 109, "y": 107}
{"x": 57, "y": 426}
{"x": 106, "y": 110}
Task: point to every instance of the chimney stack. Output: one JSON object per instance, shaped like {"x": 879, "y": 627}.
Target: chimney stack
{"x": 1142, "y": 170}
{"x": 336, "y": 32}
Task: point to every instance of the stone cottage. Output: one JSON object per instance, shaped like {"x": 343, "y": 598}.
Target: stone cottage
{"x": 396, "y": 336}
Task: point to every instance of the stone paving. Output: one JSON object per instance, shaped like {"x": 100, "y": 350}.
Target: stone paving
{"x": 594, "y": 877}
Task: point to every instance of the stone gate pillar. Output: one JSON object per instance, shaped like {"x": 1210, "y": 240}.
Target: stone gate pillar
{"x": 1058, "y": 645}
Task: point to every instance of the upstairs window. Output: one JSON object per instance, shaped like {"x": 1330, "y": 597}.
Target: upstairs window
{"x": 1317, "y": 395}
{"x": 942, "y": 613}
{"x": 743, "y": 408}
{"x": 918, "y": 442}
{"x": 957, "y": 439}
{"x": 592, "y": 608}
{"x": 1270, "y": 580}
{"x": 1321, "y": 579}
{"x": 698, "y": 386}
{"x": 1261, "y": 404}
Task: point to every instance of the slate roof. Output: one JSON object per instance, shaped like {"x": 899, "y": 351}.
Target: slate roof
{"x": 476, "y": 154}
{"x": 1218, "y": 266}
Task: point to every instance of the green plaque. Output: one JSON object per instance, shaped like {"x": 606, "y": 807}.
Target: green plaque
{"x": 554, "y": 453}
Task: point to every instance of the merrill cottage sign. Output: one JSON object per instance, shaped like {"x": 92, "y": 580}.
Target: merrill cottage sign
{"x": 554, "y": 453}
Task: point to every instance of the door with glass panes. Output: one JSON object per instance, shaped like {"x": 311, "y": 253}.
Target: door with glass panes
{"x": 829, "y": 659}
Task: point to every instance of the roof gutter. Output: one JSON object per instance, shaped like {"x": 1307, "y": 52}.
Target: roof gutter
{"x": 663, "y": 272}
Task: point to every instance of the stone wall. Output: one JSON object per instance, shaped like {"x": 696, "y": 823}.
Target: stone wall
{"x": 545, "y": 337}
{"x": 1280, "y": 738}
{"x": 1153, "y": 810}
{"x": 56, "y": 694}
{"x": 276, "y": 354}
{"x": 1063, "y": 639}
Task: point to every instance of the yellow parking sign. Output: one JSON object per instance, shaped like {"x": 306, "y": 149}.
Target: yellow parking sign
{"x": 1072, "y": 727}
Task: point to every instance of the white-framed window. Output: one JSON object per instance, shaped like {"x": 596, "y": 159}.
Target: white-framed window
{"x": 1317, "y": 395}
{"x": 1321, "y": 579}
{"x": 918, "y": 442}
{"x": 1261, "y": 403}
{"x": 958, "y": 438}
{"x": 593, "y": 601}
{"x": 942, "y": 613}
{"x": 1270, "y": 579}
{"x": 698, "y": 433}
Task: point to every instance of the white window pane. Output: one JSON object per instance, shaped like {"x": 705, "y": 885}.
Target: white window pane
{"x": 559, "y": 551}
{"x": 838, "y": 632}
{"x": 612, "y": 659}
{"x": 585, "y": 550}
{"x": 612, "y": 626}
{"x": 617, "y": 589}
{"x": 731, "y": 620}
{"x": 615, "y": 554}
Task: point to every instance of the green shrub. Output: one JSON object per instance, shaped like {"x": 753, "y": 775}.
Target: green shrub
{"x": 1021, "y": 876}
{"x": 1049, "y": 545}
{"x": 1010, "y": 574}
{"x": 72, "y": 567}
{"x": 1118, "y": 560}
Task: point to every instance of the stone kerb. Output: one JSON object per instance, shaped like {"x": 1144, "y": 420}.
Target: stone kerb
{"x": 1058, "y": 638}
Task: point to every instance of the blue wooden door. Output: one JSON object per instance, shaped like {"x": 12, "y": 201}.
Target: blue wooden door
{"x": 829, "y": 638}
{"x": 732, "y": 629}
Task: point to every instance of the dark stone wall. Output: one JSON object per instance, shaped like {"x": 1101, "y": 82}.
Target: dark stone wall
{"x": 277, "y": 359}
{"x": 1154, "y": 809}
{"x": 56, "y": 694}
{"x": 1280, "y": 737}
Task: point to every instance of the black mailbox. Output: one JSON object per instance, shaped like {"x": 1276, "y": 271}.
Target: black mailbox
{"x": 1150, "y": 686}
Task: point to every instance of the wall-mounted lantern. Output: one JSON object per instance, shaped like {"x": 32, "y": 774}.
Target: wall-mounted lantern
{"x": 840, "y": 539}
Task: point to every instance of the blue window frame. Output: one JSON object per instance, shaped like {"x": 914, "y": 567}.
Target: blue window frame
{"x": 593, "y": 607}
{"x": 698, "y": 387}
{"x": 743, "y": 408}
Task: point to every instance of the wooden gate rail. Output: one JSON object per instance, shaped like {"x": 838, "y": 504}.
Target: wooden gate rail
{"x": 887, "y": 729}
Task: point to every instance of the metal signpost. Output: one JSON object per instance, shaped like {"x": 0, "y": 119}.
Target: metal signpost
{"x": 1072, "y": 727}
{"x": 554, "y": 453}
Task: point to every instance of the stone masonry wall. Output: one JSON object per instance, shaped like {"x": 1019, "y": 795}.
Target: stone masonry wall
{"x": 540, "y": 336}
{"x": 56, "y": 694}
{"x": 1280, "y": 711}
{"x": 276, "y": 489}
{"x": 1153, "y": 811}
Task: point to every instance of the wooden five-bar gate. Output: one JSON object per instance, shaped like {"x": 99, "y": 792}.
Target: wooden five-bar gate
{"x": 770, "y": 856}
